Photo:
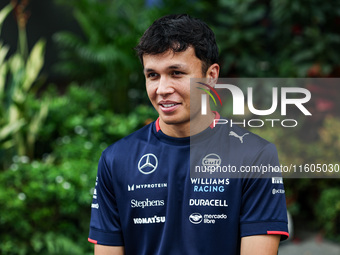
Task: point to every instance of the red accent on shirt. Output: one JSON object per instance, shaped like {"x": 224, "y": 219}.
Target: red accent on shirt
{"x": 278, "y": 233}
{"x": 157, "y": 125}
{"x": 217, "y": 117}
{"x": 92, "y": 241}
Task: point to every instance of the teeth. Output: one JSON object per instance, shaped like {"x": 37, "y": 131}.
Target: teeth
{"x": 168, "y": 105}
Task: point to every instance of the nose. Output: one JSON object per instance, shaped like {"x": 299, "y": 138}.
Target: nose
{"x": 164, "y": 86}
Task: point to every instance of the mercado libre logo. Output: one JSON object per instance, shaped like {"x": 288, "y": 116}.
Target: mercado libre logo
{"x": 204, "y": 96}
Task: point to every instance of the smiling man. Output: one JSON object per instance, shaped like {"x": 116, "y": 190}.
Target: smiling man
{"x": 168, "y": 86}
{"x": 145, "y": 202}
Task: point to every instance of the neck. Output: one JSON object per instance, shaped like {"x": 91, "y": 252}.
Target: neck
{"x": 196, "y": 125}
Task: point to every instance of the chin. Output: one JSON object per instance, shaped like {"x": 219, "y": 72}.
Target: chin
{"x": 172, "y": 120}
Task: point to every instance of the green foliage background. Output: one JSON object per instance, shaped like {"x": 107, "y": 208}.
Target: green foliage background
{"x": 49, "y": 152}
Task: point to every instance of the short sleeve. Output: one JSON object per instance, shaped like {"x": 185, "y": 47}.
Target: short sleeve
{"x": 263, "y": 206}
{"x": 105, "y": 227}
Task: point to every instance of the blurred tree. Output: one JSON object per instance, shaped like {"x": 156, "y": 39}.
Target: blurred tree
{"x": 20, "y": 116}
{"x": 104, "y": 57}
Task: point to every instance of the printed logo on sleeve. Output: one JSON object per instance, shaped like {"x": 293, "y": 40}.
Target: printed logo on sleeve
{"x": 277, "y": 180}
{"x": 278, "y": 191}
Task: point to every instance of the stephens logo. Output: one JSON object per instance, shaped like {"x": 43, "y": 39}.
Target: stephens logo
{"x": 146, "y": 203}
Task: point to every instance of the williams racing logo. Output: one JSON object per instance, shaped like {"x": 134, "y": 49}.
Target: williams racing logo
{"x": 209, "y": 185}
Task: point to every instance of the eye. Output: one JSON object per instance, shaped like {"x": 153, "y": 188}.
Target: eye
{"x": 177, "y": 73}
{"x": 151, "y": 75}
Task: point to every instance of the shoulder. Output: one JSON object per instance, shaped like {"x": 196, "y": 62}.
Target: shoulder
{"x": 240, "y": 137}
{"x": 245, "y": 146}
{"x": 130, "y": 142}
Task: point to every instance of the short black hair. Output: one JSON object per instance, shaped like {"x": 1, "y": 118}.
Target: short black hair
{"x": 177, "y": 32}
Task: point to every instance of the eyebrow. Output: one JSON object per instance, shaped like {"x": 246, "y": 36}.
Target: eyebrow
{"x": 178, "y": 66}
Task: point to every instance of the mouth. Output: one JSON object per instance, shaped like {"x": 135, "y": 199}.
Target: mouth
{"x": 168, "y": 107}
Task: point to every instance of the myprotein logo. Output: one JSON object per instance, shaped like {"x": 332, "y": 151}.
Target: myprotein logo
{"x": 146, "y": 203}
{"x": 136, "y": 187}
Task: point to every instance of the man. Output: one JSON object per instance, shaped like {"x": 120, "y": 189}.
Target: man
{"x": 145, "y": 201}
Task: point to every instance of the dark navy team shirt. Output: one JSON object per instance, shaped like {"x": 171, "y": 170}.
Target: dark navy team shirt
{"x": 145, "y": 200}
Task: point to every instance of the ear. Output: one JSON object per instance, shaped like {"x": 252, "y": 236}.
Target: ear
{"x": 212, "y": 74}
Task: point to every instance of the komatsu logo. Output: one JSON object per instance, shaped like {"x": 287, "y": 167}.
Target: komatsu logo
{"x": 149, "y": 220}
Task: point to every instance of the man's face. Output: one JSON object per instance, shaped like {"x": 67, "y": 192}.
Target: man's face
{"x": 168, "y": 84}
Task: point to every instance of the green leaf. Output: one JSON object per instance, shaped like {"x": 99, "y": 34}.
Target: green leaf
{"x": 34, "y": 64}
{"x": 10, "y": 129}
{"x": 3, "y": 68}
{"x": 36, "y": 123}
{"x": 3, "y": 14}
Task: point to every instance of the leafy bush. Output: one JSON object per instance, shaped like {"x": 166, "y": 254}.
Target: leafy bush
{"x": 277, "y": 38}
{"x": 42, "y": 200}
{"x": 85, "y": 112}
{"x": 19, "y": 121}
{"x": 327, "y": 211}
{"x": 46, "y": 202}
{"x": 104, "y": 57}
{"x": 314, "y": 200}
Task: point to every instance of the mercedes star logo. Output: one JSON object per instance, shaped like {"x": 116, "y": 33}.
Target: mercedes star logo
{"x": 148, "y": 163}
